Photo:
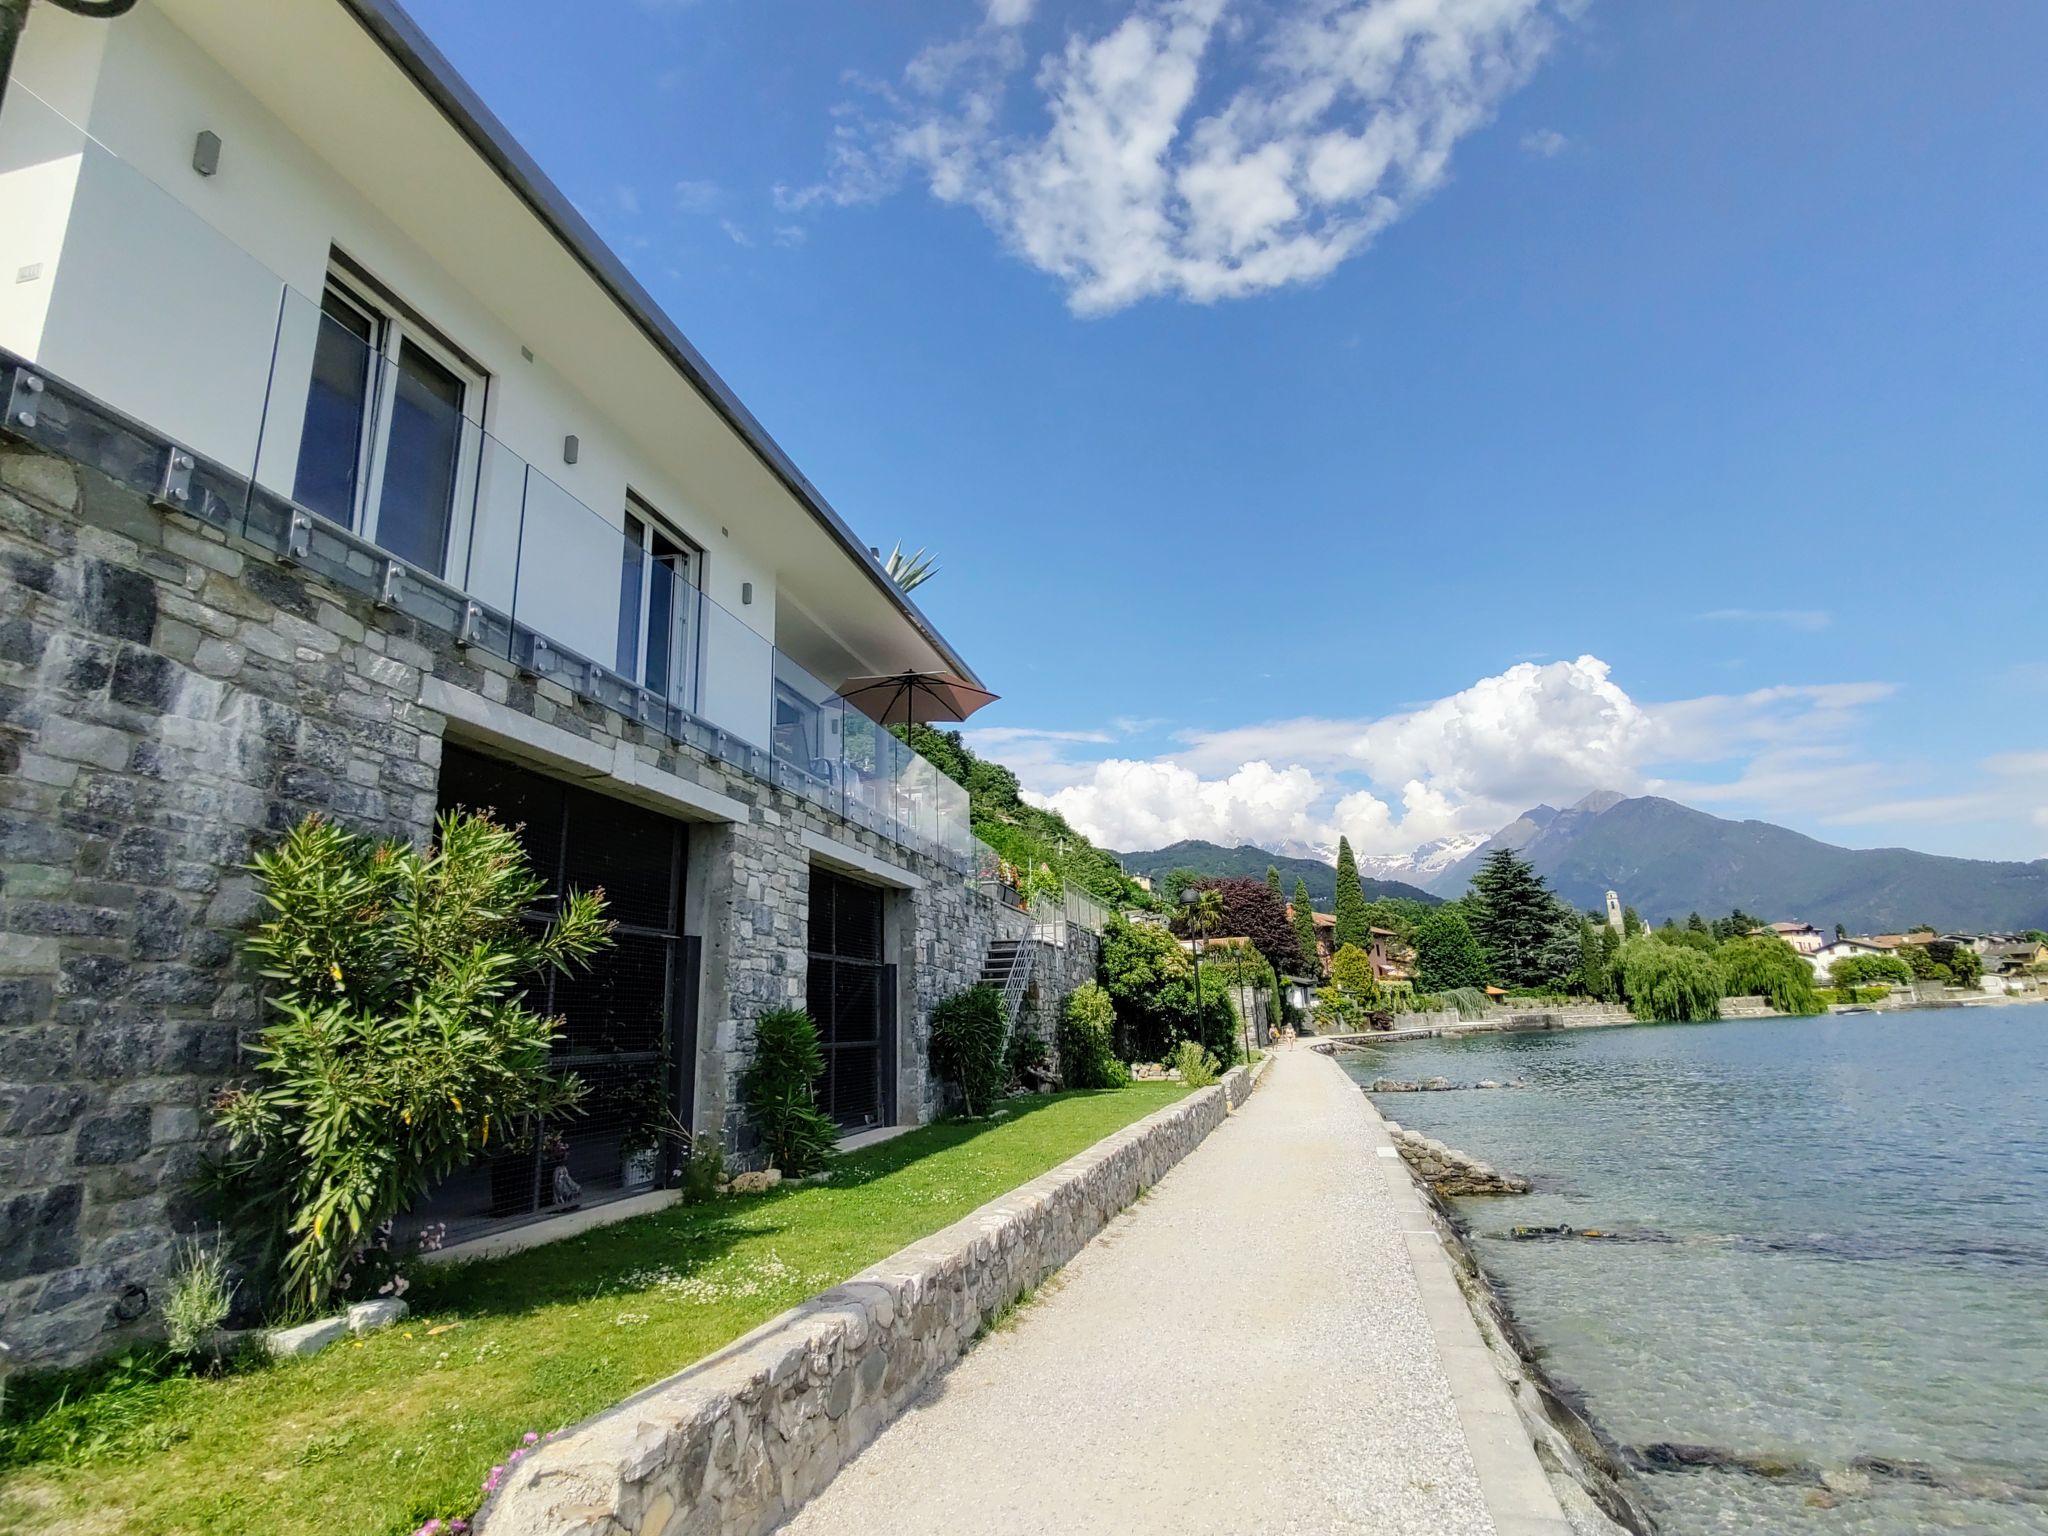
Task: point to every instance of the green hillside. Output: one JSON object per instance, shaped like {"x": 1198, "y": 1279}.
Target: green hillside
{"x": 1031, "y": 839}
{"x": 1214, "y": 859}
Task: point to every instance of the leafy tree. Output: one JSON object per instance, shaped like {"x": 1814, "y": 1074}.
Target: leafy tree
{"x": 1685, "y": 938}
{"x": 1963, "y": 964}
{"x": 1305, "y": 929}
{"x": 1589, "y": 976}
{"x": 1530, "y": 937}
{"x": 1764, "y": 965}
{"x": 1841, "y": 932}
{"x": 1669, "y": 983}
{"x": 779, "y": 1091}
{"x": 1447, "y": 955}
{"x": 1922, "y": 964}
{"x": 1150, "y": 980}
{"x": 1698, "y": 924}
{"x": 1252, "y": 909}
{"x": 401, "y": 1044}
{"x": 1736, "y": 924}
{"x": 1353, "y": 926}
{"x": 1631, "y": 923}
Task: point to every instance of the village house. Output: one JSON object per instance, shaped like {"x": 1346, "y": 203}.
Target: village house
{"x": 347, "y": 471}
{"x": 1803, "y": 937}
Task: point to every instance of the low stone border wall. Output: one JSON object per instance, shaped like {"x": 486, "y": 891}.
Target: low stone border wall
{"x": 735, "y": 1444}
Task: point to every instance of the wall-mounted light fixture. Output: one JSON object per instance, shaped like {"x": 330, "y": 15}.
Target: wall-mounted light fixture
{"x": 746, "y": 593}
{"x": 206, "y": 152}
{"x": 570, "y": 448}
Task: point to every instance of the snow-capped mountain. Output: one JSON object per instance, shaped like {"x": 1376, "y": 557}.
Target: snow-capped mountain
{"x": 1419, "y": 865}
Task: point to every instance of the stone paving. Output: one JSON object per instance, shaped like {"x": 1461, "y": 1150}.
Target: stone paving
{"x": 1248, "y": 1348}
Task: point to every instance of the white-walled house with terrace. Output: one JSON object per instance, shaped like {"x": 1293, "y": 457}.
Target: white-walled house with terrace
{"x": 345, "y": 470}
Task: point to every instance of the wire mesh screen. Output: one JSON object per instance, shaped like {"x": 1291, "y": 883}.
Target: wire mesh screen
{"x": 848, "y": 990}
{"x": 618, "y": 1018}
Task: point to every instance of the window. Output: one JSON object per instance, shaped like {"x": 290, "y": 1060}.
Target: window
{"x": 387, "y": 448}
{"x": 659, "y": 603}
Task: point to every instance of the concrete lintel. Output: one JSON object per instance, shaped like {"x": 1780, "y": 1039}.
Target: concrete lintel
{"x": 621, "y": 769}
{"x": 858, "y": 861}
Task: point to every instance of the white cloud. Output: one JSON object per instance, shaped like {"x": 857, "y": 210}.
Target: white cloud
{"x": 1132, "y": 805}
{"x": 1808, "y": 619}
{"x": 1187, "y": 150}
{"x": 1468, "y": 762}
{"x": 1545, "y": 143}
{"x": 698, "y": 196}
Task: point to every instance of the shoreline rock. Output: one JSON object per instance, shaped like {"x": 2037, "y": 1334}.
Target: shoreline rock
{"x": 1450, "y": 1172}
{"x": 1433, "y": 1085}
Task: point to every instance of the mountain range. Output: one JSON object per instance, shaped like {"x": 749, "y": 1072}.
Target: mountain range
{"x": 1214, "y": 859}
{"x": 1668, "y": 860}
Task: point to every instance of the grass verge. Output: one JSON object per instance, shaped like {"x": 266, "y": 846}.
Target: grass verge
{"x": 377, "y": 1435}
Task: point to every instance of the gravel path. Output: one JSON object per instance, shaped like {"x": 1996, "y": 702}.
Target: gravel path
{"x": 1258, "y": 1310}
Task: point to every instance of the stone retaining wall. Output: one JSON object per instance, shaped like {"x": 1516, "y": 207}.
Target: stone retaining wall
{"x": 736, "y": 1444}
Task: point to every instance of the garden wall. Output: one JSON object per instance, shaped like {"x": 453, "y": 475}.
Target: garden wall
{"x": 737, "y": 1444}
{"x": 170, "y": 696}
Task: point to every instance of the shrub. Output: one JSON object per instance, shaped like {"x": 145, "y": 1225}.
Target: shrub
{"x": 401, "y": 1043}
{"x": 1197, "y": 1068}
{"x": 779, "y": 1091}
{"x": 1860, "y": 970}
{"x": 968, "y": 1036}
{"x": 1764, "y": 965}
{"x": 201, "y": 1295}
{"x": 1669, "y": 983}
{"x": 1087, "y": 1053}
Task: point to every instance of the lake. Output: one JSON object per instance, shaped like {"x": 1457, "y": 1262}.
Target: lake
{"x": 1838, "y": 1251}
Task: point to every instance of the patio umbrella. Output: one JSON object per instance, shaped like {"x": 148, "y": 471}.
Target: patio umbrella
{"x": 914, "y": 698}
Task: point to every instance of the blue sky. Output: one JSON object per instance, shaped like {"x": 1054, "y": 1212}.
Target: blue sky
{"x": 1349, "y": 415}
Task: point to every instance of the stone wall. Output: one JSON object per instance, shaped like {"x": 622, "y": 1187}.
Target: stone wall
{"x": 170, "y": 697}
{"x": 737, "y": 1444}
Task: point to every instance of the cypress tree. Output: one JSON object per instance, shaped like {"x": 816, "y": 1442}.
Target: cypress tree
{"x": 1273, "y": 880}
{"x": 1305, "y": 927}
{"x": 1353, "y": 926}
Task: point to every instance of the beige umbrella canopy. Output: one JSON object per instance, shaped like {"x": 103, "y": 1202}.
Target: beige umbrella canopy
{"x": 914, "y": 698}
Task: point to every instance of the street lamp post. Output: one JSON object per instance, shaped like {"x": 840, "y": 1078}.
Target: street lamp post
{"x": 1191, "y": 898}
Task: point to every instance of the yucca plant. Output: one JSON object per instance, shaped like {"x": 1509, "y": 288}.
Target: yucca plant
{"x": 400, "y": 1044}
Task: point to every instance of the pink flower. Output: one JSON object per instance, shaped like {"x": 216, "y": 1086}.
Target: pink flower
{"x": 530, "y": 1437}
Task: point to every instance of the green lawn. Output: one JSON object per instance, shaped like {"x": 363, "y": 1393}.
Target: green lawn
{"x": 376, "y": 1435}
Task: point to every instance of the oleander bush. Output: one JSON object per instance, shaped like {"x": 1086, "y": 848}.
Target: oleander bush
{"x": 968, "y": 1037}
{"x": 779, "y": 1089}
{"x": 1087, "y": 1034}
{"x": 400, "y": 1044}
